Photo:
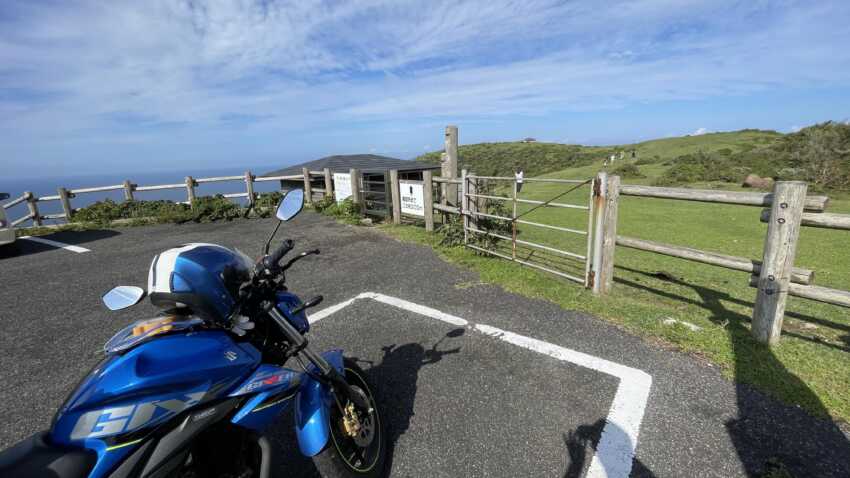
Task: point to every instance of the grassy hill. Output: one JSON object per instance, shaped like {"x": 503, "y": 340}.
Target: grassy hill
{"x": 819, "y": 154}
{"x": 540, "y": 158}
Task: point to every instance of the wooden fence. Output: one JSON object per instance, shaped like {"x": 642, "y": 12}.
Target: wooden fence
{"x": 787, "y": 209}
{"x": 65, "y": 196}
{"x": 775, "y": 276}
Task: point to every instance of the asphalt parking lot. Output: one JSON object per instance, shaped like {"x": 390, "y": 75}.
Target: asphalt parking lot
{"x": 476, "y": 381}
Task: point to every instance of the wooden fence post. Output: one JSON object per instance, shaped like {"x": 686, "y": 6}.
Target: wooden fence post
{"x": 472, "y": 201}
{"x": 249, "y": 187}
{"x": 428, "y": 199}
{"x": 329, "y": 183}
{"x": 128, "y": 190}
{"x": 65, "y": 199}
{"x": 354, "y": 174}
{"x": 780, "y": 246}
{"x": 32, "y": 205}
{"x": 464, "y": 204}
{"x": 609, "y": 234}
{"x": 190, "y": 191}
{"x": 396, "y": 195}
{"x": 308, "y": 186}
{"x": 451, "y": 164}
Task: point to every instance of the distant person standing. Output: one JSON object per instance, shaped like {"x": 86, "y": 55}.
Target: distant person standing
{"x": 518, "y": 176}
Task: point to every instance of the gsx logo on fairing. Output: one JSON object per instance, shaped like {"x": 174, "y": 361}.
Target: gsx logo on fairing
{"x": 117, "y": 420}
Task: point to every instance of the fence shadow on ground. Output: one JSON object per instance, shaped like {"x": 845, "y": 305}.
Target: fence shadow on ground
{"x": 767, "y": 435}
{"x": 23, "y": 247}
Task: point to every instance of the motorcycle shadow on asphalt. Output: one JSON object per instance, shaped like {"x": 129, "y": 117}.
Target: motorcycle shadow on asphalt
{"x": 395, "y": 377}
{"x": 580, "y": 448}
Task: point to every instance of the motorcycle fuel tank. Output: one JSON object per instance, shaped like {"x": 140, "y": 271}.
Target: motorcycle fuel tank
{"x": 151, "y": 383}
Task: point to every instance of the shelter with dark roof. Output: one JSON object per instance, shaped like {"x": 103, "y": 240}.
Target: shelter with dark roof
{"x": 372, "y": 166}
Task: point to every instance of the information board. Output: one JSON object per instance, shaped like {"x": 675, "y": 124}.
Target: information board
{"x": 412, "y": 198}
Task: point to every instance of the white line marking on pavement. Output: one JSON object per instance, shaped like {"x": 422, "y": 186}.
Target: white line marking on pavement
{"x": 616, "y": 448}
{"x": 58, "y": 244}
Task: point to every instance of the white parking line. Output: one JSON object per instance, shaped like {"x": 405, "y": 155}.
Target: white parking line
{"x": 616, "y": 448}
{"x": 61, "y": 245}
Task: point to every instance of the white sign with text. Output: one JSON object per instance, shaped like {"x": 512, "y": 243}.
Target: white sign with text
{"x": 342, "y": 186}
{"x": 412, "y": 198}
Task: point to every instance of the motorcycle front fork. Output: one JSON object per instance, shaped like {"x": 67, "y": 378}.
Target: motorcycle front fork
{"x": 328, "y": 372}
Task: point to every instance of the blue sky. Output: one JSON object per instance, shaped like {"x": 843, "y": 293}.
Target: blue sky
{"x": 133, "y": 85}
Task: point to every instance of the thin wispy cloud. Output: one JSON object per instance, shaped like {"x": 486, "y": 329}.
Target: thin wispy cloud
{"x": 181, "y": 72}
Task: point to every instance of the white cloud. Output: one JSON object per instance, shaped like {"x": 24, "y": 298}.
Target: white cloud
{"x": 795, "y": 128}
{"x": 699, "y": 132}
{"x": 105, "y": 71}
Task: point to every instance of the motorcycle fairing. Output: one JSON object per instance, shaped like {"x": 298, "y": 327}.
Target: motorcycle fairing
{"x": 129, "y": 395}
{"x": 286, "y": 302}
{"x": 273, "y": 387}
{"x": 312, "y": 408}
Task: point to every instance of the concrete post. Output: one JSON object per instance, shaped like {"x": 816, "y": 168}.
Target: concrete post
{"x": 128, "y": 190}
{"x": 249, "y": 187}
{"x": 190, "y": 191}
{"x": 65, "y": 199}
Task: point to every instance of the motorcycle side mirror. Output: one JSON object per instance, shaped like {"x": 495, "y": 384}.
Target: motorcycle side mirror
{"x": 122, "y": 297}
{"x": 290, "y": 205}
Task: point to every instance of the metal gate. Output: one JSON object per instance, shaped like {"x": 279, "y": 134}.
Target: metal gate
{"x": 532, "y": 223}
{"x": 375, "y": 191}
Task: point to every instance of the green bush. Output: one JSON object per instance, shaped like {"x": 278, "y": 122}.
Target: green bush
{"x": 266, "y": 203}
{"x": 700, "y": 167}
{"x": 212, "y": 208}
{"x": 648, "y": 160}
{"x": 323, "y": 203}
{"x": 627, "y": 171}
{"x": 346, "y": 211}
{"x": 206, "y": 209}
{"x": 106, "y": 211}
{"x": 452, "y": 230}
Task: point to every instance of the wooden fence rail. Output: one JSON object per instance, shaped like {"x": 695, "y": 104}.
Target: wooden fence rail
{"x": 775, "y": 275}
{"x": 65, "y": 196}
{"x": 812, "y": 203}
{"x": 798, "y": 275}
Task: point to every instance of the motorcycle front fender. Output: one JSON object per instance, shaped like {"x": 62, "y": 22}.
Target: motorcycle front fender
{"x": 312, "y": 409}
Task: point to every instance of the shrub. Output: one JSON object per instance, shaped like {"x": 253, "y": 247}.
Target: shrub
{"x": 213, "y": 208}
{"x": 699, "y": 167}
{"x": 323, "y": 203}
{"x": 346, "y": 211}
{"x": 206, "y": 209}
{"x": 648, "y": 160}
{"x": 452, "y": 231}
{"x": 266, "y": 203}
{"x": 106, "y": 211}
{"x": 628, "y": 171}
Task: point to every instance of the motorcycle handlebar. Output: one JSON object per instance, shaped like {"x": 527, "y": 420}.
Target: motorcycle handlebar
{"x": 270, "y": 262}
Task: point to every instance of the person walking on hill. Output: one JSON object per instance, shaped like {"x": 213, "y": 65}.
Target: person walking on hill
{"x": 518, "y": 175}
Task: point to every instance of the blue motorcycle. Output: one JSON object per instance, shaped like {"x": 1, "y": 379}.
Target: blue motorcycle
{"x": 190, "y": 393}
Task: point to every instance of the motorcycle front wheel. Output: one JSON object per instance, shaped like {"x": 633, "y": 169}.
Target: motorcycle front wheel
{"x": 357, "y": 447}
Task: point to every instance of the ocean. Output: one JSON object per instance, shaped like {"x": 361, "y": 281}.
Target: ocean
{"x": 47, "y": 186}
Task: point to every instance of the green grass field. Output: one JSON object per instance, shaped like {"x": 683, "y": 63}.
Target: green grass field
{"x": 811, "y": 366}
